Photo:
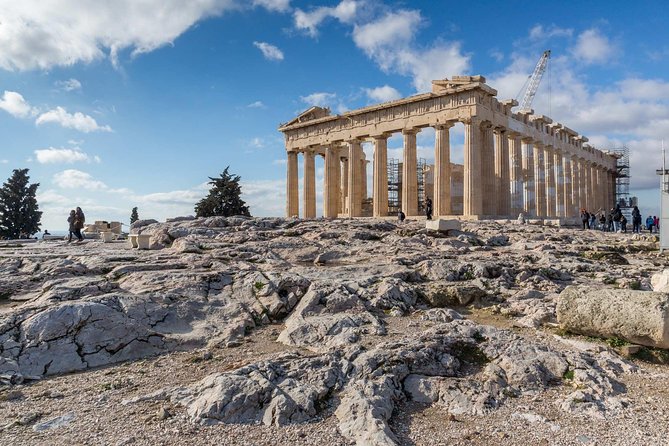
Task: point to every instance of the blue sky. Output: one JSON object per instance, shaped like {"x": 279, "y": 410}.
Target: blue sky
{"x": 129, "y": 103}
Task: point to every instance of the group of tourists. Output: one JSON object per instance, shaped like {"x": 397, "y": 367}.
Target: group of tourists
{"x": 401, "y": 216}
{"x": 76, "y": 221}
{"x": 615, "y": 221}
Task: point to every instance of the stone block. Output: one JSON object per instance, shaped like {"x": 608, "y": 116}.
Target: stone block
{"x": 660, "y": 281}
{"x": 640, "y": 317}
{"x": 443, "y": 225}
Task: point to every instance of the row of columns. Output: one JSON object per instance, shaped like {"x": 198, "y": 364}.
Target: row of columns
{"x": 504, "y": 175}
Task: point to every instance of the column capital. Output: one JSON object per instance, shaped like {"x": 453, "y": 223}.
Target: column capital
{"x": 527, "y": 139}
{"x": 512, "y": 134}
{"x": 486, "y": 125}
{"x": 384, "y": 135}
{"x": 411, "y": 131}
{"x": 500, "y": 129}
{"x": 444, "y": 125}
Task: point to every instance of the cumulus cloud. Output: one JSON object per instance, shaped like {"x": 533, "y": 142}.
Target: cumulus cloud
{"x": 319, "y": 99}
{"x": 593, "y": 47}
{"x": 308, "y": 22}
{"x": 14, "y": 104}
{"x": 273, "y": 5}
{"x": 41, "y": 35}
{"x": 76, "y": 179}
{"x": 265, "y": 198}
{"x": 540, "y": 32}
{"x": 382, "y": 94}
{"x": 77, "y": 121}
{"x": 270, "y": 52}
{"x": 57, "y": 156}
{"x": 69, "y": 85}
{"x": 257, "y": 104}
{"x": 389, "y": 41}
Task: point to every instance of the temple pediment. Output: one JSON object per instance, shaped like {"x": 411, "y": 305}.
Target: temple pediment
{"x": 309, "y": 114}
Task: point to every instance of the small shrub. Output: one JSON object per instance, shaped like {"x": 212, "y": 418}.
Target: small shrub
{"x": 635, "y": 285}
{"x": 616, "y": 342}
{"x": 258, "y": 286}
{"x": 568, "y": 375}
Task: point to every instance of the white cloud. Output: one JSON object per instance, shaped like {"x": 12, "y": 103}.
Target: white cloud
{"x": 77, "y": 121}
{"x": 257, "y": 104}
{"x": 53, "y": 156}
{"x": 69, "y": 85}
{"x": 319, "y": 99}
{"x": 389, "y": 41}
{"x": 257, "y": 143}
{"x": 269, "y": 51}
{"x": 4, "y": 161}
{"x": 539, "y": 32}
{"x": 281, "y": 162}
{"x": 273, "y": 5}
{"x": 76, "y": 179}
{"x": 40, "y": 35}
{"x": 382, "y": 94}
{"x": 265, "y": 197}
{"x": 14, "y": 104}
{"x": 345, "y": 12}
{"x": 593, "y": 47}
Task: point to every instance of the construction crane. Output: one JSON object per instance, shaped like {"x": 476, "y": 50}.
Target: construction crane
{"x": 533, "y": 81}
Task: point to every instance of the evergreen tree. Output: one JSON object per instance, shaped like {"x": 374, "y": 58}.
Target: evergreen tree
{"x": 18, "y": 206}
{"x": 224, "y": 198}
{"x": 134, "y": 216}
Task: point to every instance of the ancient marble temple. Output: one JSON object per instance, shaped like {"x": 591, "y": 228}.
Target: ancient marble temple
{"x": 513, "y": 161}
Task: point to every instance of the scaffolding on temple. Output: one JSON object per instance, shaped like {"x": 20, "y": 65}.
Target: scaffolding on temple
{"x": 623, "y": 198}
{"x": 395, "y": 185}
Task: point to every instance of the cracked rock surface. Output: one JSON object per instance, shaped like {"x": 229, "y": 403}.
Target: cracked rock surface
{"x": 285, "y": 331}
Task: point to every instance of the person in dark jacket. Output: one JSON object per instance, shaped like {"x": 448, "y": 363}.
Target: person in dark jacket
{"x": 428, "y": 208}
{"x": 636, "y": 220}
{"x": 609, "y": 221}
{"x": 650, "y": 223}
{"x": 616, "y": 216}
{"x": 70, "y": 220}
{"x": 623, "y": 223}
{"x": 585, "y": 219}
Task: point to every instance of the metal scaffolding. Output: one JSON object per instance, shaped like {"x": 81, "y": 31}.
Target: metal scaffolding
{"x": 395, "y": 185}
{"x": 421, "y": 170}
{"x": 623, "y": 198}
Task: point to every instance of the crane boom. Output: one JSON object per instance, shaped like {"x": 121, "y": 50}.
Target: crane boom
{"x": 533, "y": 85}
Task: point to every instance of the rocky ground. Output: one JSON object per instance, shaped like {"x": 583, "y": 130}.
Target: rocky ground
{"x": 368, "y": 332}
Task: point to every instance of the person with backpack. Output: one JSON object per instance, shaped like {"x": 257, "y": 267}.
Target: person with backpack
{"x": 616, "y": 217}
{"x": 623, "y": 223}
{"x": 650, "y": 222}
{"x": 636, "y": 220}
{"x": 428, "y": 208}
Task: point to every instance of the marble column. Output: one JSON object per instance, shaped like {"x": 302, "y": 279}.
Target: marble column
{"x": 363, "y": 176}
{"x": 336, "y": 166}
{"x": 309, "y": 186}
{"x": 529, "y": 182}
{"x": 502, "y": 182}
{"x": 567, "y": 181}
{"x": 488, "y": 169}
{"x": 576, "y": 185}
{"x": 515, "y": 174}
{"x": 354, "y": 180}
{"x": 380, "y": 199}
{"x": 539, "y": 181}
{"x": 409, "y": 174}
{"x": 596, "y": 205}
{"x": 586, "y": 186}
{"x": 559, "y": 184}
{"x": 329, "y": 189}
{"x": 441, "y": 202}
{"x": 472, "y": 198}
{"x": 344, "y": 185}
{"x": 292, "y": 189}
{"x": 549, "y": 163}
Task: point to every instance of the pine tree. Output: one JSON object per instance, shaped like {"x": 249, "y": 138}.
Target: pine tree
{"x": 19, "y": 212}
{"x": 224, "y": 198}
{"x": 134, "y": 216}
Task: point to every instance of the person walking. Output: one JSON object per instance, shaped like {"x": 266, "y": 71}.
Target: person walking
{"x": 593, "y": 220}
{"x": 623, "y": 224}
{"x": 636, "y": 220}
{"x": 71, "y": 221}
{"x": 617, "y": 216}
{"x": 656, "y": 223}
{"x": 428, "y": 208}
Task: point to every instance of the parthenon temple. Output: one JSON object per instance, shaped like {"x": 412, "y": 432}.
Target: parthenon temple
{"x": 513, "y": 161}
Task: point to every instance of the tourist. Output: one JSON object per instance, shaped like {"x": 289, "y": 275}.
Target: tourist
{"x": 609, "y": 221}
{"x": 650, "y": 222}
{"x": 623, "y": 223}
{"x": 617, "y": 215}
{"x": 585, "y": 219}
{"x": 45, "y": 233}
{"x": 656, "y": 223}
{"x": 593, "y": 221}
{"x": 70, "y": 221}
{"x": 636, "y": 220}
{"x": 428, "y": 208}
{"x": 401, "y": 216}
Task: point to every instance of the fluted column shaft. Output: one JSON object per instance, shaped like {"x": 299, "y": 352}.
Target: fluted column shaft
{"x": 515, "y": 174}
{"x": 472, "y": 197}
{"x": 488, "y": 170}
{"x": 330, "y": 182}
{"x": 363, "y": 177}
{"x": 559, "y": 184}
{"x": 567, "y": 181}
{"x": 292, "y": 189}
{"x": 529, "y": 181}
{"x": 576, "y": 185}
{"x": 380, "y": 176}
{"x": 344, "y": 185}
{"x": 309, "y": 186}
{"x": 586, "y": 186}
{"x": 549, "y": 162}
{"x": 502, "y": 184}
{"x": 593, "y": 187}
{"x": 442, "y": 170}
{"x": 354, "y": 180}
{"x": 539, "y": 180}
{"x": 409, "y": 174}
